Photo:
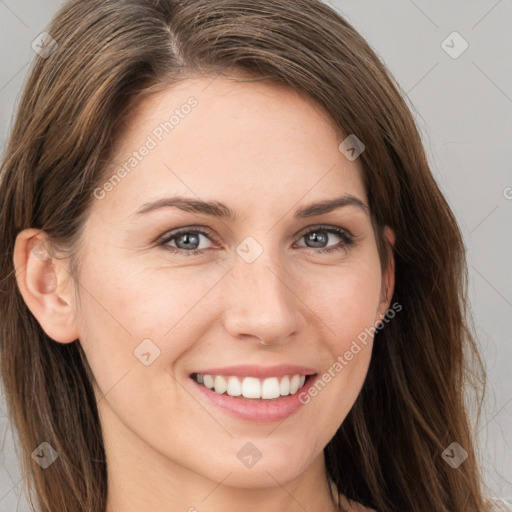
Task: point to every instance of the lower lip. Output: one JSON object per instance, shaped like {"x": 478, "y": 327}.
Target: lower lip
{"x": 257, "y": 410}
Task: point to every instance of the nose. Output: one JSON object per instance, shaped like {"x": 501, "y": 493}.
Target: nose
{"x": 261, "y": 303}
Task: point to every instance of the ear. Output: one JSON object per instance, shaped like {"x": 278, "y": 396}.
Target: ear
{"x": 388, "y": 276}
{"x": 45, "y": 285}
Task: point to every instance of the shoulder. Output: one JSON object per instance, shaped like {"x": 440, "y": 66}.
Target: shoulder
{"x": 500, "y": 505}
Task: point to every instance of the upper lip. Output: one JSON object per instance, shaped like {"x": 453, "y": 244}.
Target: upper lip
{"x": 262, "y": 372}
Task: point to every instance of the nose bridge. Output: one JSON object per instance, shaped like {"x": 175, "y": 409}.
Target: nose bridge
{"x": 262, "y": 303}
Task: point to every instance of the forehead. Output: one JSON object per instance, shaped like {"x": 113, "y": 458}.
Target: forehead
{"x": 242, "y": 143}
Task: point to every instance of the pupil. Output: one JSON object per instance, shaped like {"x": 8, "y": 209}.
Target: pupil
{"x": 322, "y": 239}
{"x": 192, "y": 239}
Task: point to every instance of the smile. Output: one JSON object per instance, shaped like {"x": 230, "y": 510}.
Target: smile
{"x": 252, "y": 387}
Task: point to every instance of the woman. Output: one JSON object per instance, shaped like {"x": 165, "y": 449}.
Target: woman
{"x": 230, "y": 279}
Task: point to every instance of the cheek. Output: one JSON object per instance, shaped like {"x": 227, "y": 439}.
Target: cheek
{"x": 137, "y": 300}
{"x": 124, "y": 305}
{"x": 345, "y": 298}
{"x": 345, "y": 302}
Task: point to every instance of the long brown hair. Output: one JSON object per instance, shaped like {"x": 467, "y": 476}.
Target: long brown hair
{"x": 387, "y": 454}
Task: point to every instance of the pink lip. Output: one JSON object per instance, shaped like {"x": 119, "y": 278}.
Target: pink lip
{"x": 256, "y": 410}
{"x": 261, "y": 372}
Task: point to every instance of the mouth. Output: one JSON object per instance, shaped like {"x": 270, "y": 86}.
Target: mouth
{"x": 252, "y": 387}
{"x": 258, "y": 394}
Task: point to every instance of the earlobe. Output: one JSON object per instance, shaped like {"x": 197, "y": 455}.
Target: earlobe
{"x": 391, "y": 237}
{"x": 44, "y": 284}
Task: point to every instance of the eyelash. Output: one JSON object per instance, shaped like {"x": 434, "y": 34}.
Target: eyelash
{"x": 344, "y": 234}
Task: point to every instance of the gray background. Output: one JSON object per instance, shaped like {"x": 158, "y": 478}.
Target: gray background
{"x": 463, "y": 106}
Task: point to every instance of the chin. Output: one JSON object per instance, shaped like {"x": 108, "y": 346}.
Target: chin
{"x": 257, "y": 464}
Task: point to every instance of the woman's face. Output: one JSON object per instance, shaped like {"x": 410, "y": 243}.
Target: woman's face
{"x": 156, "y": 310}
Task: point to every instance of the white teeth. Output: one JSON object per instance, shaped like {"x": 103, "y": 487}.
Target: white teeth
{"x": 234, "y": 386}
{"x": 220, "y": 384}
{"x": 294, "y": 384}
{"x": 284, "y": 388}
{"x": 270, "y": 388}
{"x": 208, "y": 380}
{"x": 252, "y": 387}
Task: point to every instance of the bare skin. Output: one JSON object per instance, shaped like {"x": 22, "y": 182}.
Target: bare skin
{"x": 264, "y": 152}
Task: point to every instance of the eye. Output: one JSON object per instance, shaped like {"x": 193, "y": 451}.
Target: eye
{"x": 187, "y": 241}
{"x": 318, "y": 237}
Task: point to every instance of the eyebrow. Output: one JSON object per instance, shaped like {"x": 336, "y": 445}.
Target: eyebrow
{"x": 217, "y": 209}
